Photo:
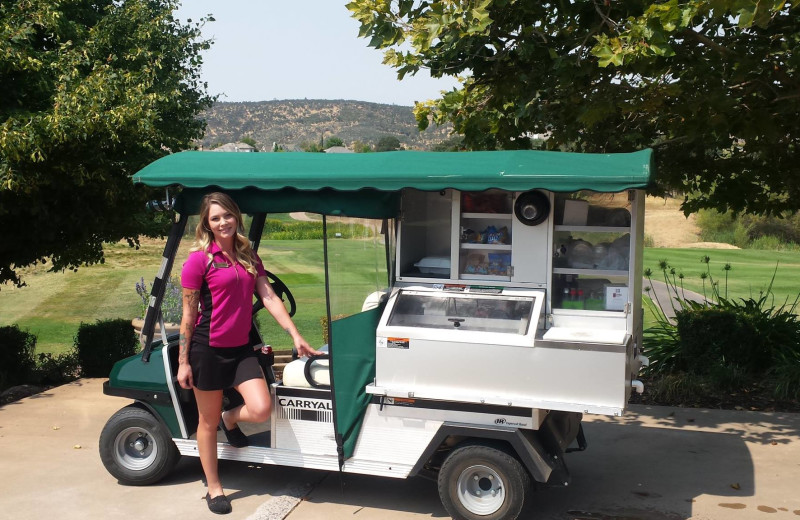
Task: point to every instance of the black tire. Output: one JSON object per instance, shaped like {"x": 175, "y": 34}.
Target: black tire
{"x": 135, "y": 448}
{"x": 480, "y": 482}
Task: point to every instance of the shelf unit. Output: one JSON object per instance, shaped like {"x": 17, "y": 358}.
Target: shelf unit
{"x": 591, "y": 229}
{"x": 492, "y": 216}
{"x": 486, "y": 247}
{"x": 483, "y": 260}
{"x": 593, "y": 253}
{"x": 593, "y": 272}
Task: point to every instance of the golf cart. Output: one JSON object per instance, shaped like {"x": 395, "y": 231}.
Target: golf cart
{"x": 507, "y": 305}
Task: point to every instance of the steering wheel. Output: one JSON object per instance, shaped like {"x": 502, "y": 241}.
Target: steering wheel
{"x": 281, "y": 291}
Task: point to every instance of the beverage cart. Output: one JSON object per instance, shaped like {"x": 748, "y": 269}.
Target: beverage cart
{"x": 507, "y": 305}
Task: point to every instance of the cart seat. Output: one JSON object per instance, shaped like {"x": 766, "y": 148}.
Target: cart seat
{"x": 294, "y": 374}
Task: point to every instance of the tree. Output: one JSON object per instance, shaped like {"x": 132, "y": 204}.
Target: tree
{"x": 360, "y": 147}
{"x": 249, "y": 140}
{"x": 387, "y": 143}
{"x": 92, "y": 91}
{"x": 454, "y": 143}
{"x": 712, "y": 85}
{"x": 310, "y": 146}
{"x": 333, "y": 141}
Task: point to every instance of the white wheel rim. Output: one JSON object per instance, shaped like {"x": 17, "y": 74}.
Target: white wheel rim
{"x": 135, "y": 449}
{"x": 480, "y": 490}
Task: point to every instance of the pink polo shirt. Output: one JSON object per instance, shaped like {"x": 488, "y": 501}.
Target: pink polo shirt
{"x": 226, "y": 297}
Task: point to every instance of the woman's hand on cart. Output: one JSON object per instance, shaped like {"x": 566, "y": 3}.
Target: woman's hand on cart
{"x": 304, "y": 349}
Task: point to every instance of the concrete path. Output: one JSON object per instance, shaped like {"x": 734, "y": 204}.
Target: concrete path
{"x": 656, "y": 463}
{"x": 51, "y": 468}
{"x": 661, "y": 294}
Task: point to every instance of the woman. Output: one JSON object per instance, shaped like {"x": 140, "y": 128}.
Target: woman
{"x": 219, "y": 277}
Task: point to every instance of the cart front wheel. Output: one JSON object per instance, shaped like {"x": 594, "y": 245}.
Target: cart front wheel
{"x": 478, "y": 482}
{"x": 135, "y": 448}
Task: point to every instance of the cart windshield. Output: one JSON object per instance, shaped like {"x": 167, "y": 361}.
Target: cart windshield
{"x": 355, "y": 277}
{"x": 357, "y": 262}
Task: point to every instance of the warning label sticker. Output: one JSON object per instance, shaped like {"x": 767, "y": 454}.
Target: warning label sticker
{"x": 397, "y": 343}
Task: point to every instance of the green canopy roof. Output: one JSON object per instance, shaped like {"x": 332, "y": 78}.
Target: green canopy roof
{"x": 393, "y": 171}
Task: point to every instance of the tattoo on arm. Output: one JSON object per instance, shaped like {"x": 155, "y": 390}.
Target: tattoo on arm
{"x": 191, "y": 299}
{"x": 183, "y": 352}
{"x": 270, "y": 293}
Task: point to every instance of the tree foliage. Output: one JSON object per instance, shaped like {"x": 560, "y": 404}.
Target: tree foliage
{"x": 333, "y": 141}
{"x": 249, "y": 140}
{"x": 91, "y": 92}
{"x": 361, "y": 147}
{"x": 310, "y": 146}
{"x": 387, "y": 143}
{"x": 712, "y": 85}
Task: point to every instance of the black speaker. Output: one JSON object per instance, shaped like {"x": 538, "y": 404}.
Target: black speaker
{"x": 532, "y": 208}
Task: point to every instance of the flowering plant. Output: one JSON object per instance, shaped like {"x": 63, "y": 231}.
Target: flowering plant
{"x": 171, "y": 305}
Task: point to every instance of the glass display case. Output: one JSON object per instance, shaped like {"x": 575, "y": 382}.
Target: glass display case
{"x": 591, "y": 251}
{"x": 485, "y": 235}
{"x": 462, "y": 313}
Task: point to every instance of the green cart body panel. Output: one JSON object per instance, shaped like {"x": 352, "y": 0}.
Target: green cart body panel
{"x": 145, "y": 382}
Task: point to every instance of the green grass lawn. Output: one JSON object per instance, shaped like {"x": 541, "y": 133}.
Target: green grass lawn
{"x": 750, "y": 273}
{"x": 53, "y": 305}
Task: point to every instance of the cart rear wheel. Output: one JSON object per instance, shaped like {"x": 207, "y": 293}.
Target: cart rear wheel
{"x": 135, "y": 448}
{"x": 478, "y": 482}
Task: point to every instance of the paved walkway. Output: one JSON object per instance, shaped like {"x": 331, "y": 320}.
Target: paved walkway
{"x": 655, "y": 463}
{"x": 661, "y": 294}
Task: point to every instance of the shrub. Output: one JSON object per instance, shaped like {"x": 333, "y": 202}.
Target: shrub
{"x": 773, "y": 243}
{"x": 56, "y": 370}
{"x": 784, "y": 228}
{"x": 728, "y": 377}
{"x": 99, "y": 345}
{"x": 715, "y": 226}
{"x": 323, "y": 322}
{"x": 17, "y": 360}
{"x": 679, "y": 387}
{"x": 728, "y": 342}
{"x": 786, "y": 375}
{"x": 661, "y": 343}
{"x": 171, "y": 305}
{"x": 712, "y": 335}
{"x": 750, "y": 231}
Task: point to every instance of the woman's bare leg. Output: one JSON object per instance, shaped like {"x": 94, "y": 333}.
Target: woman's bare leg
{"x": 257, "y": 403}
{"x": 209, "y": 406}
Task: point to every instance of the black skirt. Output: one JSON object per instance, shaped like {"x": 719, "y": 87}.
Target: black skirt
{"x": 218, "y": 368}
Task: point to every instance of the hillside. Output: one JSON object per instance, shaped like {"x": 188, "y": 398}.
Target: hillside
{"x": 291, "y": 122}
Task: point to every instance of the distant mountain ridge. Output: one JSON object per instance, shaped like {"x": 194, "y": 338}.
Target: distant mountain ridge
{"x": 291, "y": 122}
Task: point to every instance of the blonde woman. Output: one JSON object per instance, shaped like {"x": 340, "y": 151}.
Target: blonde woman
{"x": 219, "y": 278}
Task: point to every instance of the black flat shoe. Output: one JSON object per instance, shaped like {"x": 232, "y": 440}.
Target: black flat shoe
{"x": 219, "y": 504}
{"x": 235, "y": 436}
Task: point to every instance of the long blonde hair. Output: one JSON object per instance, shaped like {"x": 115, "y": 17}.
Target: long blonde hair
{"x": 204, "y": 237}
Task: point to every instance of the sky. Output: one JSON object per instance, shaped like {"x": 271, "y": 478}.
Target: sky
{"x": 298, "y": 49}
